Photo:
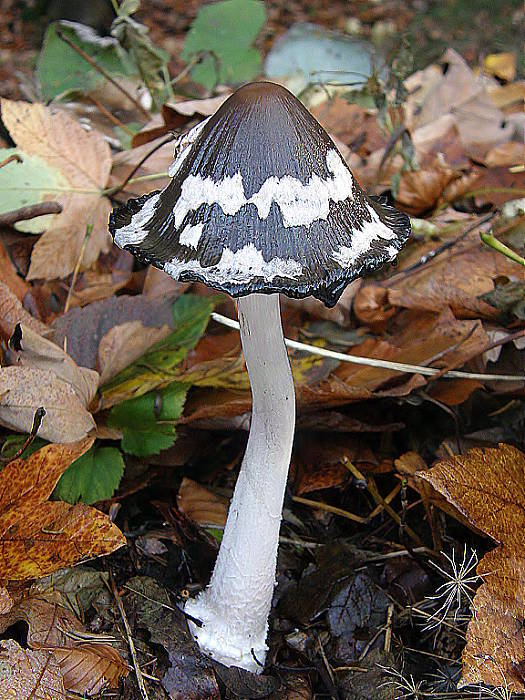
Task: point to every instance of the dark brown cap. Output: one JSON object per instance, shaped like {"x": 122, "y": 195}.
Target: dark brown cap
{"x": 261, "y": 201}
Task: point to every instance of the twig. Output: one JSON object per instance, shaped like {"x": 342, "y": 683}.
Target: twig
{"x": 330, "y": 509}
{"x": 131, "y": 644}
{"x": 388, "y": 627}
{"x": 118, "y": 188}
{"x": 112, "y": 118}
{"x": 37, "y": 422}
{"x": 89, "y": 228}
{"x": 29, "y": 212}
{"x": 491, "y": 240}
{"x": 11, "y": 159}
{"x": 103, "y": 72}
{"x": 373, "y": 362}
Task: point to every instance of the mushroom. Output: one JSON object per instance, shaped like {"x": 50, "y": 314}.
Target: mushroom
{"x": 261, "y": 203}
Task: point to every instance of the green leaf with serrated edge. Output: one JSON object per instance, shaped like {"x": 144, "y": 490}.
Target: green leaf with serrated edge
{"x": 26, "y": 183}
{"x": 223, "y": 33}
{"x": 92, "y": 477}
{"x": 149, "y": 421}
{"x": 61, "y": 70}
{"x": 191, "y": 314}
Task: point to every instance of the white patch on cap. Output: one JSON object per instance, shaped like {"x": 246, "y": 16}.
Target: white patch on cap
{"x": 183, "y": 146}
{"x": 191, "y": 235}
{"x": 300, "y": 204}
{"x": 361, "y": 240}
{"x": 240, "y": 267}
{"x": 392, "y": 251}
{"x": 134, "y": 232}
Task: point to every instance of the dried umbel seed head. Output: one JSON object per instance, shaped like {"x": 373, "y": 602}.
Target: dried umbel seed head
{"x": 261, "y": 201}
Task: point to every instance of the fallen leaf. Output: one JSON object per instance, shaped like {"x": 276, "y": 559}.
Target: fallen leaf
{"x": 420, "y": 190}
{"x": 85, "y": 327}
{"x": 54, "y": 536}
{"x": 74, "y": 588}
{"x": 8, "y": 275}
{"x": 201, "y": 505}
{"x": 12, "y": 312}
{"x": 26, "y": 483}
{"x": 24, "y": 389}
{"x": 124, "y": 344}
{"x": 487, "y": 486}
{"x": 371, "y": 306}
{"x": 29, "y": 675}
{"x": 84, "y": 160}
{"x": 39, "y": 353}
{"x": 502, "y": 65}
{"x": 505, "y": 154}
{"x": 85, "y": 667}
{"x": 6, "y": 602}
{"x": 504, "y": 96}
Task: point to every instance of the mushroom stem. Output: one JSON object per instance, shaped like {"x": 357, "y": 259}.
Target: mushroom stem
{"x": 234, "y": 608}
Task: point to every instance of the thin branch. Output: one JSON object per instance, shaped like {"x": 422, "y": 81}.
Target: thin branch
{"x": 118, "y": 188}
{"x": 385, "y": 364}
{"x": 37, "y": 422}
{"x": 29, "y": 212}
{"x": 131, "y": 644}
{"x": 112, "y": 118}
{"x": 11, "y": 159}
{"x": 103, "y": 72}
{"x": 89, "y": 228}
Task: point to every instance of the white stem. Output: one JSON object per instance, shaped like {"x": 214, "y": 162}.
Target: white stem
{"x": 234, "y": 608}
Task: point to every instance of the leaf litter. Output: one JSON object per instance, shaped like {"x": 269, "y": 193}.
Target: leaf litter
{"x": 147, "y": 401}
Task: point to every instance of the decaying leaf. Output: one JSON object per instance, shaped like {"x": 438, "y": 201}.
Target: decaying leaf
{"x": 37, "y": 352}
{"x": 29, "y": 675}
{"x": 201, "y": 505}
{"x": 86, "y": 667}
{"x": 12, "y": 312}
{"x": 24, "y": 389}
{"x": 84, "y": 160}
{"x": 37, "y": 536}
{"x": 487, "y": 486}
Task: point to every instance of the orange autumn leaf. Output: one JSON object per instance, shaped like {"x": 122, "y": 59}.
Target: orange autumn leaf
{"x": 37, "y": 536}
{"x": 488, "y": 487}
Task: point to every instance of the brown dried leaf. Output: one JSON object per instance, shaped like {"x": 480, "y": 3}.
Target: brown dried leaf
{"x": 12, "y": 312}
{"x": 85, "y": 667}
{"x": 84, "y": 159}
{"x": 29, "y": 675}
{"x": 202, "y": 505}
{"x": 40, "y": 353}
{"x": 89, "y": 668}
{"x": 124, "y": 344}
{"x": 371, "y": 306}
{"x": 488, "y": 488}
{"x": 54, "y": 536}
{"x": 505, "y": 154}
{"x": 8, "y": 275}
{"x": 502, "y": 65}
{"x": 420, "y": 190}
{"x": 24, "y": 389}
{"x": 6, "y": 602}
{"x": 25, "y": 484}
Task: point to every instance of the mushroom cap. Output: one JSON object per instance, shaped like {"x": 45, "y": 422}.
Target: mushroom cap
{"x": 261, "y": 201}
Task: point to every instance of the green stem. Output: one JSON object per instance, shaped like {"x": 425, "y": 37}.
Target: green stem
{"x": 493, "y": 242}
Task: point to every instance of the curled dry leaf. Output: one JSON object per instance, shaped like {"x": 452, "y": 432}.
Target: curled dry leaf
{"x": 201, "y": 505}
{"x": 40, "y": 353}
{"x": 84, "y": 160}
{"x": 124, "y": 344}
{"x": 420, "y": 190}
{"x": 29, "y": 675}
{"x": 85, "y": 667}
{"x": 487, "y": 487}
{"x": 12, "y": 312}
{"x": 371, "y": 305}
{"x": 24, "y": 389}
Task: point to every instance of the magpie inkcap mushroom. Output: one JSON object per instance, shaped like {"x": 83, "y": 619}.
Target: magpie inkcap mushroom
{"x": 260, "y": 203}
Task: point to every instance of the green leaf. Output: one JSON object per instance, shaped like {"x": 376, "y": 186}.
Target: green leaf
{"x": 13, "y": 443}
{"x": 224, "y": 33}
{"x": 92, "y": 477}
{"x": 508, "y": 298}
{"x": 149, "y": 422}
{"x": 61, "y": 70}
{"x": 191, "y": 314}
{"x": 26, "y": 183}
